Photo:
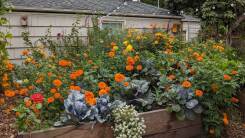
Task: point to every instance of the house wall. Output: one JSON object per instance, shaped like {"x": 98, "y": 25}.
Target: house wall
{"x": 39, "y": 23}
{"x": 191, "y": 29}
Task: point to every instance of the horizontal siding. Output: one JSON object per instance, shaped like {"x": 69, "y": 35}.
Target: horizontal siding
{"x": 191, "y": 29}
{"x": 39, "y": 23}
{"x": 41, "y": 31}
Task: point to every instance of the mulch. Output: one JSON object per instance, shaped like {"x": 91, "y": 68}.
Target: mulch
{"x": 7, "y": 119}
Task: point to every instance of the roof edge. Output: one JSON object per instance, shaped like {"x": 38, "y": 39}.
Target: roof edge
{"x": 69, "y": 11}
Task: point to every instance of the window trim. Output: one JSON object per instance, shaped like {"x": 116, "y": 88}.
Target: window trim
{"x": 123, "y": 22}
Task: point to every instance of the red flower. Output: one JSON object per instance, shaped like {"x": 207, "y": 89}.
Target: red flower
{"x": 37, "y": 98}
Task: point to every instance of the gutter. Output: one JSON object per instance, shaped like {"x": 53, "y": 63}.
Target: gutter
{"x": 89, "y": 12}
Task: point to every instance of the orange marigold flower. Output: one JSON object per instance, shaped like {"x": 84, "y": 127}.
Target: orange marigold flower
{"x": 92, "y": 101}
{"x": 50, "y": 100}
{"x": 225, "y": 119}
{"x": 76, "y": 88}
{"x": 186, "y": 84}
{"x": 10, "y": 66}
{"x": 89, "y": 98}
{"x": 111, "y": 54}
{"x": 199, "y": 93}
{"x": 227, "y": 77}
{"x": 126, "y": 84}
{"x": 5, "y": 84}
{"x": 53, "y": 90}
{"x": 25, "y": 52}
{"x": 102, "y": 85}
{"x": 119, "y": 77}
{"x": 5, "y": 77}
{"x": 195, "y": 54}
{"x": 139, "y": 67}
{"x": 28, "y": 103}
{"x": 199, "y": 58}
{"x": 23, "y": 91}
{"x": 57, "y": 95}
{"x": 102, "y": 92}
{"x": 136, "y": 58}
{"x": 65, "y": 63}
{"x": 57, "y": 83}
{"x": 39, "y": 80}
{"x": 108, "y": 89}
{"x": 130, "y": 61}
{"x": 129, "y": 67}
{"x": 50, "y": 74}
{"x": 73, "y": 76}
{"x": 31, "y": 87}
{"x": 2, "y": 101}
{"x": 17, "y": 114}
{"x": 234, "y": 100}
{"x": 171, "y": 77}
{"x": 9, "y": 93}
{"x": 234, "y": 72}
{"x": 79, "y": 72}
{"x": 88, "y": 95}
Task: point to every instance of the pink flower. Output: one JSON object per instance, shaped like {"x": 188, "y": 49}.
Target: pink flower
{"x": 37, "y": 98}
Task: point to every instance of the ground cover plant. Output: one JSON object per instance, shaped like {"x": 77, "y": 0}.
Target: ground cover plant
{"x": 64, "y": 81}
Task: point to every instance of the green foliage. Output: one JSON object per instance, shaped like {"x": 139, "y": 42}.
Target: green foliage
{"x": 147, "y": 70}
{"x": 219, "y": 16}
{"x": 3, "y": 39}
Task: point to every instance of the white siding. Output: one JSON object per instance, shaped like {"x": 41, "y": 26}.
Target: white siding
{"x": 191, "y": 29}
{"x": 39, "y": 23}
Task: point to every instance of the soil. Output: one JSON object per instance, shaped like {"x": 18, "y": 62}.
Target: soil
{"x": 7, "y": 119}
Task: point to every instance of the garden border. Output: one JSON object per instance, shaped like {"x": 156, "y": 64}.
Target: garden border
{"x": 159, "y": 123}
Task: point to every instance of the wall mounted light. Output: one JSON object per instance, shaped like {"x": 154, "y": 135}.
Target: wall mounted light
{"x": 24, "y": 21}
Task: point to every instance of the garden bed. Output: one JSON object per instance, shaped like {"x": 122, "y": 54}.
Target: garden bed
{"x": 159, "y": 123}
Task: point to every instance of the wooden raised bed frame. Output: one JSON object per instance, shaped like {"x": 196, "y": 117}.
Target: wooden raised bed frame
{"x": 242, "y": 100}
{"x": 159, "y": 124}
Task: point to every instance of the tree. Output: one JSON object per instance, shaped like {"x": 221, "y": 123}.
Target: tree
{"x": 176, "y": 6}
{"x": 220, "y": 18}
{"x": 154, "y": 2}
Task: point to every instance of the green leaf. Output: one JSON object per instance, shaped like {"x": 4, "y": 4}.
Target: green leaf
{"x": 9, "y": 35}
{"x": 180, "y": 116}
{"x": 39, "y": 106}
{"x": 176, "y": 108}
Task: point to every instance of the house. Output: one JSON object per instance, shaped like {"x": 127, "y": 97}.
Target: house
{"x": 37, "y": 16}
{"x": 191, "y": 27}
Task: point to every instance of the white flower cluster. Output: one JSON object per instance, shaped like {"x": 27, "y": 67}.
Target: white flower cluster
{"x": 127, "y": 123}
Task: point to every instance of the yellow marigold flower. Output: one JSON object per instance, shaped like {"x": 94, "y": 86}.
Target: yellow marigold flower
{"x": 28, "y": 60}
{"x": 115, "y": 48}
{"x": 129, "y": 48}
{"x": 126, "y": 43}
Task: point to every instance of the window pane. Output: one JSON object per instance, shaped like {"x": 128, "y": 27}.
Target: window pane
{"x": 112, "y": 25}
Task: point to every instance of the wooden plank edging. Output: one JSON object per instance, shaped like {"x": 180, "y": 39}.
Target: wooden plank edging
{"x": 158, "y": 123}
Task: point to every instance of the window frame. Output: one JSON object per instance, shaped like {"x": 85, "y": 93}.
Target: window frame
{"x": 123, "y": 22}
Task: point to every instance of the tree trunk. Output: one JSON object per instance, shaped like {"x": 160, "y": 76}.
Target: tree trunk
{"x": 239, "y": 20}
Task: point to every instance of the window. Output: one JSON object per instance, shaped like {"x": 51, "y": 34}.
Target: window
{"x": 112, "y": 25}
